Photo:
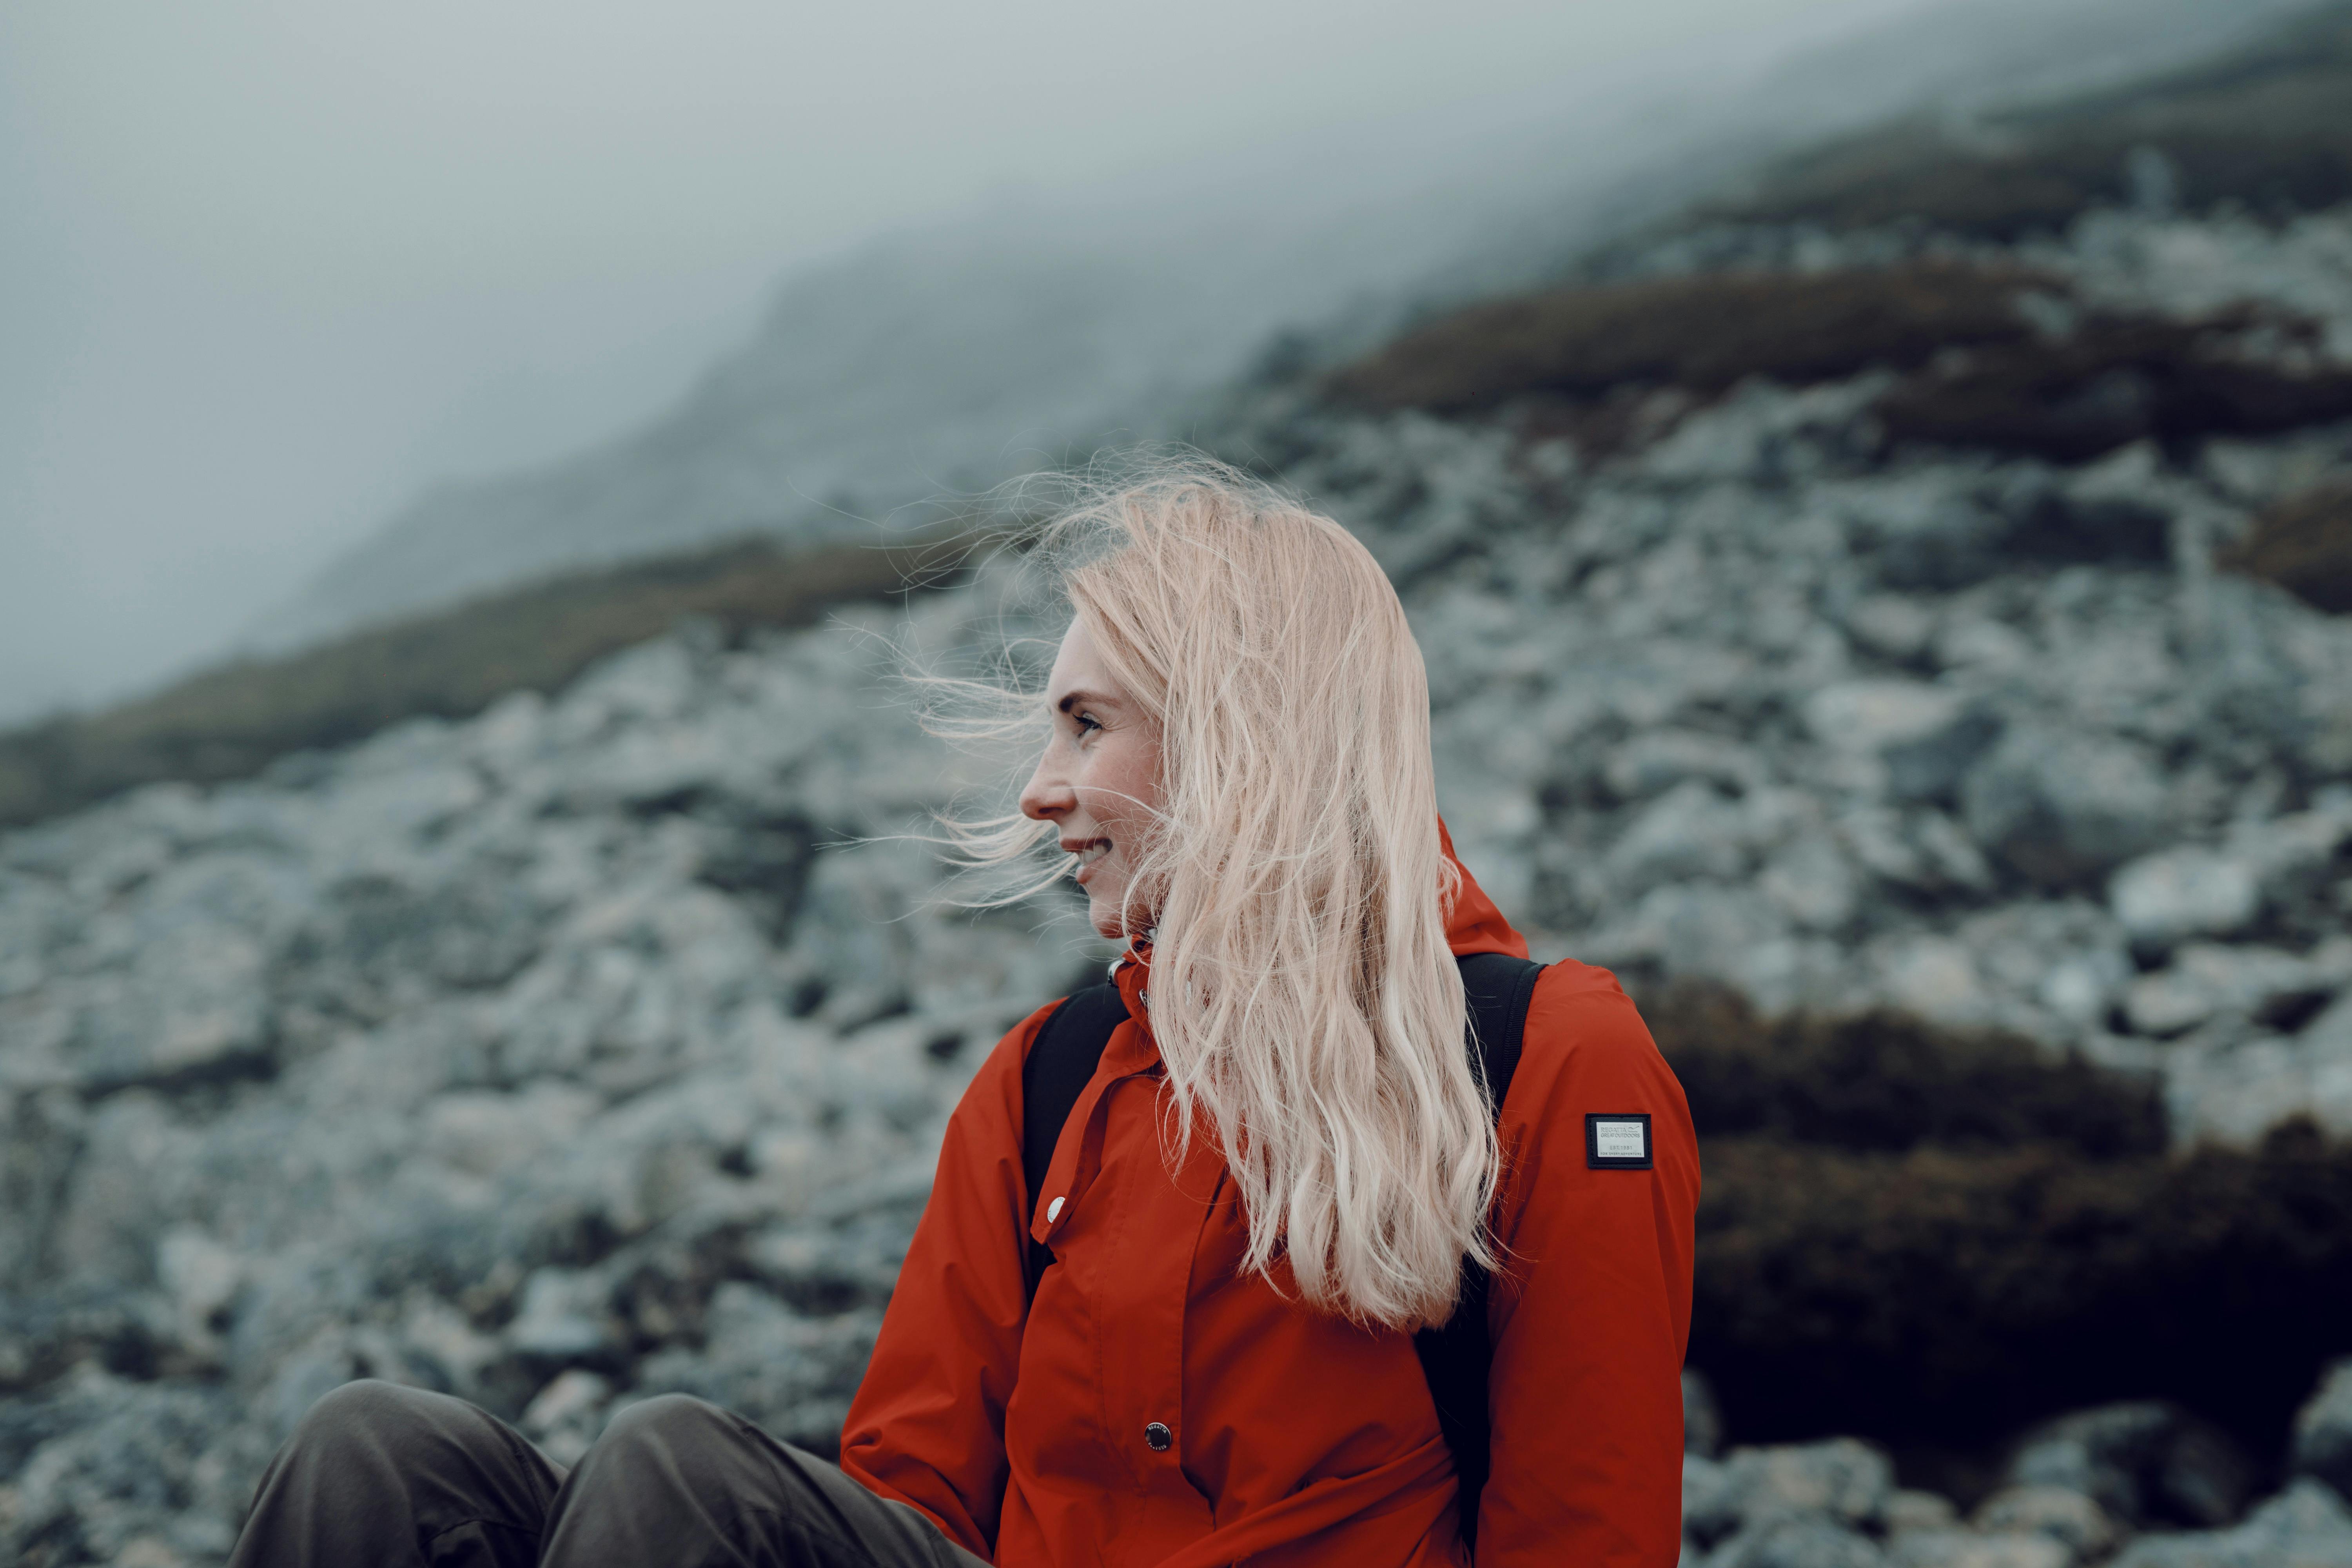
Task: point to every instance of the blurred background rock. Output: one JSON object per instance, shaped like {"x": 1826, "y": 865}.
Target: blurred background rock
{"x": 1884, "y": 570}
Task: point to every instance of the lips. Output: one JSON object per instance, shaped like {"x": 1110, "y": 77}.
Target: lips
{"x": 1090, "y": 851}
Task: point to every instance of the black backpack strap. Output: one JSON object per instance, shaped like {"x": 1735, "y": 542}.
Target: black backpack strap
{"x": 1457, "y": 1357}
{"x": 1499, "y": 988}
{"x": 1061, "y": 1063}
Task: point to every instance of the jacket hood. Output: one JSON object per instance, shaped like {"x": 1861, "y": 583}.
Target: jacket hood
{"x": 1474, "y": 924}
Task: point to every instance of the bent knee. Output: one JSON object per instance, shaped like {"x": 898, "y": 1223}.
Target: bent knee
{"x": 373, "y": 1407}
{"x": 668, "y": 1420}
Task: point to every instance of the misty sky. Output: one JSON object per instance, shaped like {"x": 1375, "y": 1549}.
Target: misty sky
{"x": 266, "y": 271}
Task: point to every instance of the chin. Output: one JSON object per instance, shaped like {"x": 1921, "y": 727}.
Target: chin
{"x": 1104, "y": 915}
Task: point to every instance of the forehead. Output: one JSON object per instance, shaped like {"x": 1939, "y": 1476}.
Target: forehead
{"x": 1078, "y": 666}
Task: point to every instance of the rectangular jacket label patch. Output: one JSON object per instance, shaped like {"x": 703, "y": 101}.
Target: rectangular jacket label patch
{"x": 1617, "y": 1140}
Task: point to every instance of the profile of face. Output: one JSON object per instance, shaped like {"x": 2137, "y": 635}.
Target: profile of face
{"x": 1098, "y": 782}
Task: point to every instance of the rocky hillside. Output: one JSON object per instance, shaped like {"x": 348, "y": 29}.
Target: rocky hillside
{"x": 231, "y": 721}
{"x": 1912, "y": 654}
{"x": 1852, "y": 620}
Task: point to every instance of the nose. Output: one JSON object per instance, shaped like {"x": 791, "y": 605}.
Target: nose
{"x": 1047, "y": 796}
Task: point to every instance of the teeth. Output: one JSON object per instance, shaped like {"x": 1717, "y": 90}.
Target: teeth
{"x": 1094, "y": 852}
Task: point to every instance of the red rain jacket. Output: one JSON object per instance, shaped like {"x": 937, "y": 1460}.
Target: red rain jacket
{"x": 1293, "y": 1438}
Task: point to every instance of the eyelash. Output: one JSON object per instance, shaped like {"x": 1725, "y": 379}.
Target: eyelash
{"x": 1085, "y": 722}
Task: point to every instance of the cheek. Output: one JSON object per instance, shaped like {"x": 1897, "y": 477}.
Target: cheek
{"x": 1130, "y": 784}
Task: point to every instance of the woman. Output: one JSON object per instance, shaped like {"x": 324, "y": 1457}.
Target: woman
{"x": 1274, "y": 1175}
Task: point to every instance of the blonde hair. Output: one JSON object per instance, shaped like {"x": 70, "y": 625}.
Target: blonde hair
{"x": 1304, "y": 998}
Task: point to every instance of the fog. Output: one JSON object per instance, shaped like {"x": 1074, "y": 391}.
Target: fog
{"x": 266, "y": 271}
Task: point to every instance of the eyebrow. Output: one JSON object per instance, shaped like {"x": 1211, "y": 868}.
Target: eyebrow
{"x": 1074, "y": 699}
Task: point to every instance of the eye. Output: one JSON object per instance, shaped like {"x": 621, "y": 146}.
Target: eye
{"x": 1085, "y": 721}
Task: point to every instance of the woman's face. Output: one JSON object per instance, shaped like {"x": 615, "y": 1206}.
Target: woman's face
{"x": 1098, "y": 782}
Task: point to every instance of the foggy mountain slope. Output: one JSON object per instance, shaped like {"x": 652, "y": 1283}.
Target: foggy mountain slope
{"x": 1947, "y": 68}
{"x": 2261, "y": 127}
{"x": 898, "y": 363}
{"x": 945, "y": 359}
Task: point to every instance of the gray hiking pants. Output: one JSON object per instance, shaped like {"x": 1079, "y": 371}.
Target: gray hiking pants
{"x": 378, "y": 1475}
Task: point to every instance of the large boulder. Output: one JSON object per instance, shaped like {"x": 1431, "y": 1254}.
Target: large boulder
{"x": 2141, "y": 1462}
{"x": 2307, "y": 1526}
{"x": 2061, "y": 807}
{"x": 1841, "y": 1483}
{"x": 2162, "y": 898}
{"x": 1926, "y": 737}
{"x": 2207, "y": 980}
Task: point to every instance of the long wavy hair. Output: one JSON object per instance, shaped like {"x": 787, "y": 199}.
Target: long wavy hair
{"x": 1304, "y": 998}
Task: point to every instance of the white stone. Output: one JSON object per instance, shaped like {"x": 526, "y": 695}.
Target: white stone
{"x": 2207, "y": 980}
{"x": 2176, "y": 893}
{"x": 1870, "y": 715}
{"x": 1934, "y": 977}
{"x": 2070, "y": 1518}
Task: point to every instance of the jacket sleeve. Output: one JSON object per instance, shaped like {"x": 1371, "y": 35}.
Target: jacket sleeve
{"x": 926, "y": 1427}
{"x": 1591, "y": 1312}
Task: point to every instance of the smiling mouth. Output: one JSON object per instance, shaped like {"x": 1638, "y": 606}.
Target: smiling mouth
{"x": 1088, "y": 854}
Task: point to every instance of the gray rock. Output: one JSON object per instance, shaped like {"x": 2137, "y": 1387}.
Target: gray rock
{"x": 1922, "y": 851}
{"x": 192, "y": 1011}
{"x": 2307, "y": 1526}
{"x": 565, "y": 1418}
{"x": 142, "y": 1464}
{"x": 2207, "y": 980}
{"x": 1926, "y": 737}
{"x": 2082, "y": 987}
{"x": 2062, "y": 808}
{"x": 561, "y": 1316}
{"x": 1708, "y": 1509}
{"x": 1812, "y": 881}
{"x": 1892, "y": 625}
{"x": 2140, "y": 1462}
{"x": 2233, "y": 1089}
{"x": 2163, "y": 898}
{"x": 2292, "y": 856}
{"x": 2072, "y": 1519}
{"x": 1689, "y": 832}
{"x": 202, "y": 1278}
{"x": 1932, "y": 977}
{"x": 2322, "y": 1430}
{"x": 1843, "y": 1483}
{"x": 1657, "y": 761}
{"x": 1924, "y": 531}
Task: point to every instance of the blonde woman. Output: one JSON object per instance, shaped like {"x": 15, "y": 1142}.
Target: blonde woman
{"x": 1233, "y": 1258}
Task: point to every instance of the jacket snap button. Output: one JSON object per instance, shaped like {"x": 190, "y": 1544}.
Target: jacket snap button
{"x": 1052, "y": 1210}
{"x": 1159, "y": 1437}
